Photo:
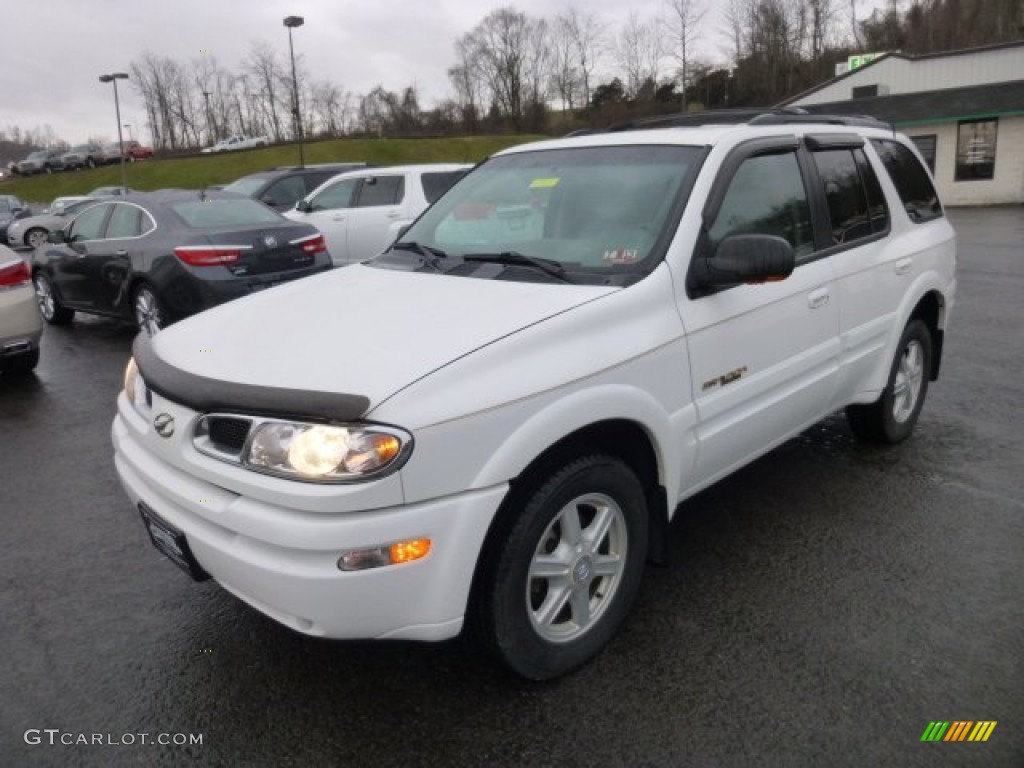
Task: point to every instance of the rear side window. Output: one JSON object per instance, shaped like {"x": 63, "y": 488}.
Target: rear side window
{"x": 284, "y": 192}
{"x": 125, "y": 221}
{"x": 381, "y": 190}
{"x": 855, "y": 203}
{"x": 436, "y": 184}
{"x": 915, "y": 188}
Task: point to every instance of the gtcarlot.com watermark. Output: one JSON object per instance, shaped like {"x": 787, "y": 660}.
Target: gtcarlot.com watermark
{"x": 57, "y": 737}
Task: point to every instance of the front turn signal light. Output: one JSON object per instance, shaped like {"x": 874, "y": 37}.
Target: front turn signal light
{"x": 407, "y": 551}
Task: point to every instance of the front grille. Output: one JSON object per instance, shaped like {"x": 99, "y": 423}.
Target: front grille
{"x": 228, "y": 433}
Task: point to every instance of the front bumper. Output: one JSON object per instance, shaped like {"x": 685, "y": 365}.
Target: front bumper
{"x": 283, "y": 560}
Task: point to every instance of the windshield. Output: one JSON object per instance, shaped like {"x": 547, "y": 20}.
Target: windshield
{"x": 594, "y": 212}
{"x": 249, "y": 185}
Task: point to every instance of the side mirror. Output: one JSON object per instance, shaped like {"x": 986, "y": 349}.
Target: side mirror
{"x": 304, "y": 205}
{"x": 56, "y": 236}
{"x": 401, "y": 231}
{"x": 746, "y": 259}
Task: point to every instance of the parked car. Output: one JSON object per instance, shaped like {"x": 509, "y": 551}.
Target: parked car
{"x": 21, "y": 327}
{"x": 361, "y": 212}
{"x": 60, "y": 203}
{"x": 238, "y": 142}
{"x": 41, "y": 161}
{"x": 111, "y": 191}
{"x": 160, "y": 256}
{"x": 492, "y": 423}
{"x": 281, "y": 188}
{"x": 133, "y": 151}
{"x": 34, "y": 230}
{"x": 83, "y": 156}
{"x": 12, "y": 209}
{"x": 111, "y": 153}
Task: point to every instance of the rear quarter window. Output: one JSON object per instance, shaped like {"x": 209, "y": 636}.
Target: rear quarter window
{"x": 914, "y": 186}
{"x": 436, "y": 184}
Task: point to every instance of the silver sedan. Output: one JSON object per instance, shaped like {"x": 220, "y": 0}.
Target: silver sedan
{"x": 21, "y": 325}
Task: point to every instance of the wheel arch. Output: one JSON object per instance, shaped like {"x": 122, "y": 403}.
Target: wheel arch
{"x": 931, "y": 309}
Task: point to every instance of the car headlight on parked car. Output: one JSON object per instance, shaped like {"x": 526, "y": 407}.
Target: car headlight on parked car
{"x": 134, "y": 385}
{"x": 324, "y": 452}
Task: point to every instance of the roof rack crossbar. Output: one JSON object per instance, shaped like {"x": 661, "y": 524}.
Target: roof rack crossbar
{"x": 776, "y": 116}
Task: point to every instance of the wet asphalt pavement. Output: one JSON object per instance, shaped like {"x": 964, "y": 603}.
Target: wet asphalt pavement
{"x": 822, "y": 607}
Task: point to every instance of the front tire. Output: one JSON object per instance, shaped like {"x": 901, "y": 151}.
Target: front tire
{"x": 36, "y": 237}
{"x": 892, "y": 417}
{"x": 149, "y": 312}
{"x": 21, "y": 364}
{"x": 566, "y": 572}
{"x": 50, "y": 308}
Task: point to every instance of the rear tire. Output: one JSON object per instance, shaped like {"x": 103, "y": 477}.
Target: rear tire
{"x": 892, "y": 417}
{"x": 560, "y": 580}
{"x": 50, "y": 307}
{"x": 21, "y": 364}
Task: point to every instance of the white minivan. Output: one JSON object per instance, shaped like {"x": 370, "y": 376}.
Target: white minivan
{"x": 360, "y": 213}
{"x": 490, "y": 425}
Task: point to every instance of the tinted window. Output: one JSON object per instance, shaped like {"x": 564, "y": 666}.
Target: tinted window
{"x": 436, "y": 184}
{"x": 915, "y": 188}
{"x": 926, "y": 146}
{"x": 287, "y": 191}
{"x": 767, "y": 196}
{"x": 247, "y": 185}
{"x": 125, "y": 221}
{"x": 89, "y": 225}
{"x": 381, "y": 190}
{"x": 877, "y": 208}
{"x": 338, "y": 195}
{"x": 221, "y": 212}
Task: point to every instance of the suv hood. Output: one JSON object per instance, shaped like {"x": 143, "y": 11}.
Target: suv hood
{"x": 340, "y": 342}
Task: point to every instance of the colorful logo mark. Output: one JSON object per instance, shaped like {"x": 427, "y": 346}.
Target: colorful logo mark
{"x": 958, "y": 730}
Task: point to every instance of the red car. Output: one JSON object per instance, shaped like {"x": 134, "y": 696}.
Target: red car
{"x": 134, "y": 151}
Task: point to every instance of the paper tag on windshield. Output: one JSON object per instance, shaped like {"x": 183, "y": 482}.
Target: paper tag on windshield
{"x": 544, "y": 183}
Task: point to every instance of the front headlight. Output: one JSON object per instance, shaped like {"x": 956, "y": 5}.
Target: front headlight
{"x": 134, "y": 385}
{"x": 325, "y": 452}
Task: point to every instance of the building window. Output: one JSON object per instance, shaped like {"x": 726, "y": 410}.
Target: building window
{"x": 926, "y": 146}
{"x": 976, "y": 149}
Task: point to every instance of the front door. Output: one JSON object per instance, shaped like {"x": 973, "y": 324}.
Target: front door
{"x": 379, "y": 205}
{"x": 763, "y": 358}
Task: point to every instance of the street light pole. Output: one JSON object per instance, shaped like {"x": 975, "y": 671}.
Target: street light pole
{"x": 291, "y": 22}
{"x": 113, "y": 78}
{"x": 209, "y": 121}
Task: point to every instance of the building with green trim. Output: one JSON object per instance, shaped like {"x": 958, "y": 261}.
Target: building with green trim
{"x": 964, "y": 110}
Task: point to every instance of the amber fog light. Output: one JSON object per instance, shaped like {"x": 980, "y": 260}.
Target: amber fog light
{"x": 406, "y": 551}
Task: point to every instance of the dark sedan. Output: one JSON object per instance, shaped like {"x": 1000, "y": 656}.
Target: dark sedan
{"x": 160, "y": 256}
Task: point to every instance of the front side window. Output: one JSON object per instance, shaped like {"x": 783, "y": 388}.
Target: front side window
{"x": 600, "y": 214}
{"x": 338, "y": 195}
{"x": 381, "y": 190}
{"x": 976, "y": 149}
{"x": 89, "y": 225}
{"x": 766, "y": 196}
{"x": 914, "y": 186}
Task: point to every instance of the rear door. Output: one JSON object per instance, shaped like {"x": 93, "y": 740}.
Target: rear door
{"x": 763, "y": 358}
{"x": 381, "y": 202}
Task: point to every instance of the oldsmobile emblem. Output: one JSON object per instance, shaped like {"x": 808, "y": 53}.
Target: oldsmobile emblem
{"x": 270, "y": 242}
{"x": 164, "y": 425}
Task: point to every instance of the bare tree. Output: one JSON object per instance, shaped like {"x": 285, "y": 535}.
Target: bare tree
{"x": 639, "y": 52}
{"x": 682, "y": 28}
{"x": 566, "y": 79}
{"x": 268, "y": 74}
{"x": 588, "y": 36}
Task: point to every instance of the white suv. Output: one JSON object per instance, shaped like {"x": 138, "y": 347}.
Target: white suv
{"x": 491, "y": 424}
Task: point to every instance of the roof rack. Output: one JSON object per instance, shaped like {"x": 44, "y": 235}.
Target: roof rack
{"x": 777, "y": 116}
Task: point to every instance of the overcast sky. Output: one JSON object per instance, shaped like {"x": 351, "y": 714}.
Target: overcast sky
{"x": 54, "y": 50}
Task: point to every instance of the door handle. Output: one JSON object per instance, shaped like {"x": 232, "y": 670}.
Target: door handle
{"x": 903, "y": 266}
{"x": 393, "y": 214}
{"x": 337, "y": 218}
{"x": 818, "y": 299}
{"x": 121, "y": 252}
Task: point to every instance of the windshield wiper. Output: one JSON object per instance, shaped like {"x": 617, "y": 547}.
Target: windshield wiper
{"x": 515, "y": 258}
{"x": 430, "y": 254}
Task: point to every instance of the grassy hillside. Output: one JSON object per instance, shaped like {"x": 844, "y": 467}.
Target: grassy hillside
{"x": 199, "y": 170}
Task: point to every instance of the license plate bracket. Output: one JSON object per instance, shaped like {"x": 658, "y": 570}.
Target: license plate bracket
{"x": 171, "y": 543}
